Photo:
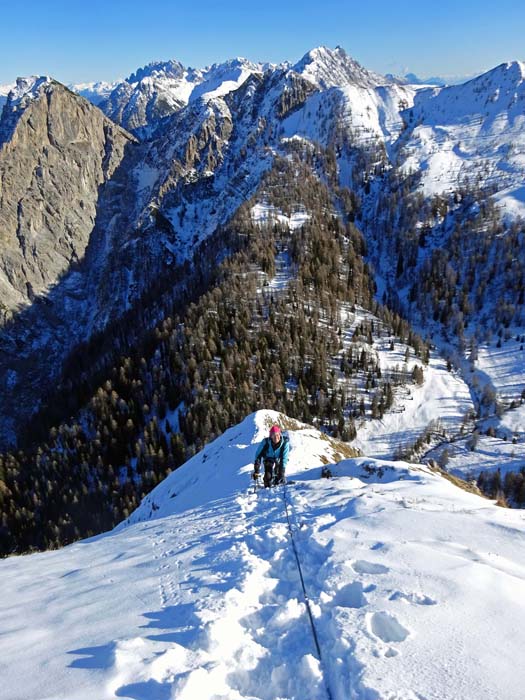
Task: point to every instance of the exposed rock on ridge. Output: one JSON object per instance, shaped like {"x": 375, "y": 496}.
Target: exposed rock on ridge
{"x": 57, "y": 151}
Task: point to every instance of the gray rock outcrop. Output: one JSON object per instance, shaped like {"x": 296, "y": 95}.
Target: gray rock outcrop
{"x": 56, "y": 152}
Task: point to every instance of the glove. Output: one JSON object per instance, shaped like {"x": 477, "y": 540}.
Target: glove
{"x": 256, "y": 470}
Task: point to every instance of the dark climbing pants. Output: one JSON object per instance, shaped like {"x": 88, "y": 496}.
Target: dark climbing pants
{"x": 273, "y": 473}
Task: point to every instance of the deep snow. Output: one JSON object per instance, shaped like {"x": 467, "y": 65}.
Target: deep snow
{"x": 416, "y": 588}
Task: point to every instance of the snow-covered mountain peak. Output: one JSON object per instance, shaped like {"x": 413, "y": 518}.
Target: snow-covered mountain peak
{"x": 235, "y": 70}
{"x": 494, "y": 96}
{"x": 505, "y": 76}
{"x": 327, "y": 68}
{"x": 5, "y": 90}
{"x": 461, "y": 131}
{"x": 163, "y": 88}
{"x": 221, "y": 78}
{"x": 157, "y": 69}
{"x": 95, "y": 92}
{"x": 27, "y": 89}
{"x": 20, "y": 97}
{"x": 513, "y": 71}
{"x": 238, "y": 63}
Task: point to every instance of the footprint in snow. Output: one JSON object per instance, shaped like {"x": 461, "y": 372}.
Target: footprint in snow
{"x": 350, "y": 596}
{"x": 387, "y": 628}
{"x": 416, "y": 598}
{"x": 367, "y": 567}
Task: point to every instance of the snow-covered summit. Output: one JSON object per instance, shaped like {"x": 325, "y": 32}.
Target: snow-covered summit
{"x": 156, "y": 69}
{"x": 472, "y": 133}
{"x": 327, "y": 68}
{"x": 26, "y": 89}
{"x": 500, "y": 89}
{"x": 414, "y": 588}
{"x": 163, "y": 88}
{"x": 4, "y": 92}
{"x": 222, "y": 78}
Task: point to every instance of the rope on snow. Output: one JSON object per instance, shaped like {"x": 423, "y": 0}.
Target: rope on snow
{"x": 305, "y": 594}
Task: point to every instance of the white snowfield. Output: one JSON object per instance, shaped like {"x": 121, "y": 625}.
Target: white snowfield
{"x": 463, "y": 132}
{"x": 416, "y": 588}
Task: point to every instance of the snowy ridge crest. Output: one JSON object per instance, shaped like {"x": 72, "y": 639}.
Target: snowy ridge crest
{"x": 27, "y": 89}
{"x": 156, "y": 69}
{"x": 199, "y": 594}
{"x": 328, "y": 68}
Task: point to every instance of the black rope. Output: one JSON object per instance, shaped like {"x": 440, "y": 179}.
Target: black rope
{"x": 305, "y": 594}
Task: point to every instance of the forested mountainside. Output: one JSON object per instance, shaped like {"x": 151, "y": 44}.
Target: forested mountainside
{"x": 251, "y": 339}
{"x": 282, "y": 238}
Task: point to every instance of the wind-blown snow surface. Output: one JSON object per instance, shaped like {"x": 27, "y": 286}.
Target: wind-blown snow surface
{"x": 416, "y": 589}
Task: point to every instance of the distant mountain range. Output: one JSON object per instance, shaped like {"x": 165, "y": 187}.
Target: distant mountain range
{"x": 98, "y": 92}
{"x": 439, "y": 81}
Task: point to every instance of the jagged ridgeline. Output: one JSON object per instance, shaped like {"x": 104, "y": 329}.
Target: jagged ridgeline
{"x": 287, "y": 320}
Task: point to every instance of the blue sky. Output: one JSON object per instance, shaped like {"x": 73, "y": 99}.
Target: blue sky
{"x": 95, "y": 39}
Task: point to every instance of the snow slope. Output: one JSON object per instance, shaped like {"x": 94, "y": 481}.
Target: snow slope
{"x": 465, "y": 132}
{"x": 415, "y": 588}
{"x": 443, "y": 396}
{"x": 504, "y": 449}
{"x": 502, "y": 368}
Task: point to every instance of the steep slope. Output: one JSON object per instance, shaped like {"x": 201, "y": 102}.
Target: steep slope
{"x": 199, "y": 593}
{"x": 161, "y": 89}
{"x": 334, "y": 68}
{"x": 355, "y": 108}
{"x": 151, "y": 93}
{"x": 471, "y": 133}
{"x": 56, "y": 153}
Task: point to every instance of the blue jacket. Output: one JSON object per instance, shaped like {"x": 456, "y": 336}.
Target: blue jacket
{"x": 279, "y": 453}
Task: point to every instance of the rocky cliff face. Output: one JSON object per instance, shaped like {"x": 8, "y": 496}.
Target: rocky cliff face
{"x": 60, "y": 152}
